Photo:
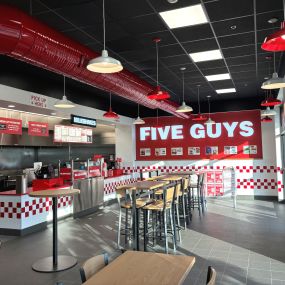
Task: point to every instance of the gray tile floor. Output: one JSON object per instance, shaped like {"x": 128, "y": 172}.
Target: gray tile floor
{"x": 245, "y": 245}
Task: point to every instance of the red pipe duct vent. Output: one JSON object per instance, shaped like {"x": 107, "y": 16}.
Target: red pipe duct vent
{"x": 26, "y": 39}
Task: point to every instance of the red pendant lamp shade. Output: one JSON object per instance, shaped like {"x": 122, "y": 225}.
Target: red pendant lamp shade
{"x": 111, "y": 115}
{"x": 276, "y": 41}
{"x": 266, "y": 120}
{"x": 199, "y": 118}
{"x": 158, "y": 94}
{"x": 270, "y": 102}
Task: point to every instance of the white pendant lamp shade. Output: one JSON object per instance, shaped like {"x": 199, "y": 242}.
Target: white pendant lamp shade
{"x": 64, "y": 103}
{"x": 184, "y": 108}
{"x": 209, "y": 122}
{"x": 104, "y": 64}
{"x": 268, "y": 112}
{"x": 275, "y": 82}
{"x": 139, "y": 121}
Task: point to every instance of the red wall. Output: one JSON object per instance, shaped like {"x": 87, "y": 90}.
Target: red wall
{"x": 236, "y": 135}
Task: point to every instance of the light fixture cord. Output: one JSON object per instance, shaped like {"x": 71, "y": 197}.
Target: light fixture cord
{"x": 156, "y": 46}
{"x": 274, "y": 62}
{"x": 198, "y": 86}
{"x": 209, "y": 107}
{"x": 110, "y": 100}
{"x": 284, "y": 8}
{"x": 104, "y": 26}
{"x": 183, "y": 85}
{"x": 63, "y": 85}
{"x": 157, "y": 117}
{"x": 31, "y": 7}
{"x": 138, "y": 110}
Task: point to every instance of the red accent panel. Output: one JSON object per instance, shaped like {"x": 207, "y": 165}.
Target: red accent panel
{"x": 10, "y": 126}
{"x": 24, "y": 38}
{"x": 198, "y": 141}
{"x": 38, "y": 129}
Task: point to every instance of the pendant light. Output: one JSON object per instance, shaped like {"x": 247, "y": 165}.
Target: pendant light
{"x": 110, "y": 114}
{"x": 183, "y": 108}
{"x": 64, "y": 103}
{"x": 275, "y": 82}
{"x": 138, "y": 120}
{"x": 209, "y": 121}
{"x": 104, "y": 63}
{"x": 199, "y": 117}
{"x": 266, "y": 120}
{"x": 270, "y": 101}
{"x": 157, "y": 93}
{"x": 268, "y": 112}
{"x": 275, "y": 41}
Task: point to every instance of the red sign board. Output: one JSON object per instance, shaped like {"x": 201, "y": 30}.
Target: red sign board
{"x": 235, "y": 135}
{"x": 38, "y": 129}
{"x": 10, "y": 126}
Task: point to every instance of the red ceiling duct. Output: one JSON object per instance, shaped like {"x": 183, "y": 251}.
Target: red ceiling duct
{"x": 24, "y": 38}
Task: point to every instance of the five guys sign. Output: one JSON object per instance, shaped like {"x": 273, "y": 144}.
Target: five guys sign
{"x": 235, "y": 135}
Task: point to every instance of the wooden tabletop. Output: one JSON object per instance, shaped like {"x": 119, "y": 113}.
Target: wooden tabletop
{"x": 55, "y": 193}
{"x": 142, "y": 185}
{"x": 144, "y": 268}
{"x": 181, "y": 173}
{"x": 170, "y": 177}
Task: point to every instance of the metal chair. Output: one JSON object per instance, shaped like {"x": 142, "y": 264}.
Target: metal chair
{"x": 93, "y": 265}
{"x": 165, "y": 207}
{"x": 197, "y": 199}
{"x": 211, "y": 276}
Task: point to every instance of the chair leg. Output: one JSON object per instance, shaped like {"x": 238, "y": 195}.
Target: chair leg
{"x": 173, "y": 230}
{"x": 165, "y": 231}
{"x": 126, "y": 227}
{"x": 178, "y": 222}
{"x": 119, "y": 228}
{"x": 184, "y": 210}
{"x": 145, "y": 227}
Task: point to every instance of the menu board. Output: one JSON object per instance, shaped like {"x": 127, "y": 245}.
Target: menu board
{"x": 38, "y": 129}
{"x": 67, "y": 134}
{"x": 10, "y": 126}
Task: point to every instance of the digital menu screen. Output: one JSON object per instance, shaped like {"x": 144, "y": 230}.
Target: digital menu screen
{"x": 68, "y": 134}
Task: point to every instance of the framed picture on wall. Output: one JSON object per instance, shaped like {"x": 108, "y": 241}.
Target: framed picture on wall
{"x": 212, "y": 150}
{"x": 176, "y": 151}
{"x": 230, "y": 150}
{"x": 194, "y": 150}
{"x": 160, "y": 151}
{"x": 145, "y": 152}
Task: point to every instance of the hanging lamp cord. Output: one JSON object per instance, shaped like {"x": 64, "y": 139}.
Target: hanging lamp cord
{"x": 63, "y": 85}
{"x": 157, "y": 117}
{"x": 110, "y": 100}
{"x": 138, "y": 110}
{"x": 156, "y": 46}
{"x": 209, "y": 106}
{"x": 183, "y": 85}
{"x": 104, "y": 26}
{"x": 198, "y": 86}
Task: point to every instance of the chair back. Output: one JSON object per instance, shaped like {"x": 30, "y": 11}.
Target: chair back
{"x": 93, "y": 265}
{"x": 169, "y": 194}
{"x": 211, "y": 276}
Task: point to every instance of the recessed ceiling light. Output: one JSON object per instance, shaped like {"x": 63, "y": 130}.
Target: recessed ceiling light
{"x": 172, "y": 1}
{"x": 228, "y": 90}
{"x": 53, "y": 113}
{"x": 273, "y": 20}
{"x": 217, "y": 77}
{"x": 206, "y": 55}
{"x": 233, "y": 27}
{"x": 182, "y": 17}
{"x": 11, "y": 106}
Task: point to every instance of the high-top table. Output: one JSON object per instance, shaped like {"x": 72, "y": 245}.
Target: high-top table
{"x": 134, "y": 187}
{"x": 144, "y": 268}
{"x": 54, "y": 263}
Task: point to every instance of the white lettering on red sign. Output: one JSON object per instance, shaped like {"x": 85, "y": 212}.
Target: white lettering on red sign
{"x": 197, "y": 131}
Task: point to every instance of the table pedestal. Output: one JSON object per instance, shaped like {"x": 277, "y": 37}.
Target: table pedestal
{"x": 54, "y": 263}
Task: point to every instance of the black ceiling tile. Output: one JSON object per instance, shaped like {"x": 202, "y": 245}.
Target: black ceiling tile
{"x": 211, "y": 64}
{"x": 142, "y": 25}
{"x": 124, "y": 44}
{"x": 237, "y": 40}
{"x": 225, "y": 9}
{"x": 126, "y": 9}
{"x": 234, "y": 26}
{"x": 147, "y": 39}
{"x": 243, "y": 67}
{"x": 249, "y": 75}
{"x": 239, "y": 51}
{"x": 261, "y": 35}
{"x": 79, "y": 36}
{"x": 170, "y": 50}
{"x": 214, "y": 71}
{"x": 54, "y": 21}
{"x": 241, "y": 59}
{"x": 138, "y": 55}
{"x": 192, "y": 33}
{"x": 222, "y": 84}
{"x": 189, "y": 67}
{"x": 162, "y": 5}
{"x": 176, "y": 60}
{"x": 55, "y": 4}
{"x": 265, "y": 5}
{"x": 262, "y": 19}
{"x": 201, "y": 45}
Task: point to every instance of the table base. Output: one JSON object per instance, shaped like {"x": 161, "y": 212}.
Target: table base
{"x": 46, "y": 264}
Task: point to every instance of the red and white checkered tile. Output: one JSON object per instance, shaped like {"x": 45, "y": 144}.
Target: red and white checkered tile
{"x": 110, "y": 187}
